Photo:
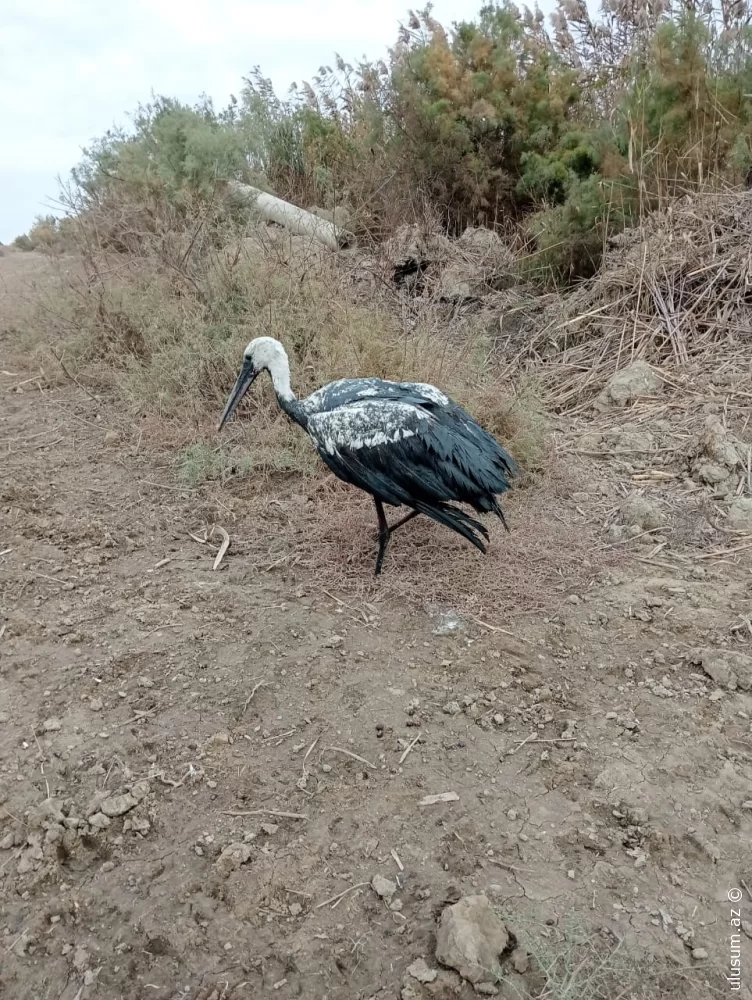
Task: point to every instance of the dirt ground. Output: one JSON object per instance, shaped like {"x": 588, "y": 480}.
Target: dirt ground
{"x": 202, "y": 771}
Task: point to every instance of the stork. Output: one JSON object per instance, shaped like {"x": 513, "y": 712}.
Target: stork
{"x": 405, "y": 443}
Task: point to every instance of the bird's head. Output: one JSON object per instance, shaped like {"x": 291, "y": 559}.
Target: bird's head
{"x": 263, "y": 353}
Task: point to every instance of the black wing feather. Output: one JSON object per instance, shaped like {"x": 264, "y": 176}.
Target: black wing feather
{"x": 447, "y": 458}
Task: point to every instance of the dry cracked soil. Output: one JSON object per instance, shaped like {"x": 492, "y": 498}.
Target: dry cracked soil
{"x": 201, "y": 772}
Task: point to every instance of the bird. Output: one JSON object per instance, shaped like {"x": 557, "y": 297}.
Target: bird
{"x": 406, "y": 443}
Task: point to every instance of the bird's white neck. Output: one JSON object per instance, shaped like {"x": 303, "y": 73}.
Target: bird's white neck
{"x": 279, "y": 369}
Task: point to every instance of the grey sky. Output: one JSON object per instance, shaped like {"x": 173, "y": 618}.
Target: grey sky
{"x": 70, "y": 70}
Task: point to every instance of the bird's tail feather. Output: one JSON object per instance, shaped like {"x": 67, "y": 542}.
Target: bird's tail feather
{"x": 457, "y": 520}
{"x": 500, "y": 514}
{"x": 470, "y": 521}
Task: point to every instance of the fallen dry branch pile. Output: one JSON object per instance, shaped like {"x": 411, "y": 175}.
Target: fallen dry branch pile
{"x": 425, "y": 262}
{"x": 677, "y": 290}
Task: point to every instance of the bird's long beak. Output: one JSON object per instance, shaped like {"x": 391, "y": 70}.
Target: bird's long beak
{"x": 244, "y": 382}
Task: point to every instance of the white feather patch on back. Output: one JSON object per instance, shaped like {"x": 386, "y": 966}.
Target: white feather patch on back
{"x": 369, "y": 424}
{"x": 326, "y": 398}
{"x": 318, "y": 398}
{"x": 429, "y": 392}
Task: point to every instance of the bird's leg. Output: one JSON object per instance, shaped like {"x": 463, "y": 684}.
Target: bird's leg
{"x": 404, "y": 520}
{"x": 383, "y": 534}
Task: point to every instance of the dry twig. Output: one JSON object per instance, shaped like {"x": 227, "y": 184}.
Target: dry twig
{"x": 408, "y": 749}
{"x": 266, "y": 812}
{"x": 340, "y": 895}
{"x": 223, "y": 547}
{"x": 355, "y": 756}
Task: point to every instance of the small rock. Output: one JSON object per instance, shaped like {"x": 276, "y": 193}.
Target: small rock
{"x": 295, "y": 909}
{"x": 729, "y": 668}
{"x": 383, "y": 887}
{"x": 449, "y": 622}
{"x": 231, "y": 858}
{"x": 80, "y": 959}
{"x": 137, "y": 824}
{"x": 111, "y": 439}
{"x": 470, "y": 938}
{"x": 117, "y": 805}
{"x": 685, "y": 933}
{"x": 99, "y": 821}
{"x": 370, "y": 846}
{"x": 140, "y": 789}
{"x": 740, "y": 514}
{"x": 52, "y": 725}
{"x": 145, "y": 682}
{"x": 637, "y": 379}
{"x": 699, "y": 953}
{"x": 219, "y": 738}
{"x": 419, "y": 970}
{"x": 712, "y": 474}
{"x": 486, "y": 989}
{"x": 269, "y": 828}
{"x": 26, "y": 864}
{"x": 641, "y": 513}
{"x": 432, "y": 800}
{"x": 452, "y": 708}
{"x": 54, "y": 834}
{"x": 45, "y": 812}
{"x": 520, "y": 962}
{"x": 96, "y": 704}
{"x": 720, "y": 449}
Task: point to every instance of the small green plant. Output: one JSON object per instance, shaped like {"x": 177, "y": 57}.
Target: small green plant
{"x": 199, "y": 463}
{"x": 573, "y": 963}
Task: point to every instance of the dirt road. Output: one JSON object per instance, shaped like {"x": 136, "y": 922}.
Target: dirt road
{"x": 201, "y": 771}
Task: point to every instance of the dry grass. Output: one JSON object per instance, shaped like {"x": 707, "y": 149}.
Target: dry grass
{"x": 573, "y": 962}
{"x": 677, "y": 290}
{"x": 329, "y": 528}
{"x": 164, "y": 340}
{"x": 163, "y": 328}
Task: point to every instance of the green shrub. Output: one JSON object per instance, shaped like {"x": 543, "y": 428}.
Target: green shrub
{"x": 566, "y": 135}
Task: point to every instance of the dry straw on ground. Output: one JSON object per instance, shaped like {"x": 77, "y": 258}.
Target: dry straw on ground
{"x": 332, "y": 529}
{"x": 676, "y": 290}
